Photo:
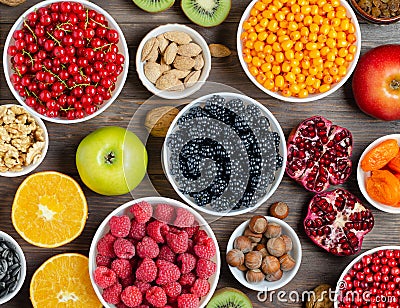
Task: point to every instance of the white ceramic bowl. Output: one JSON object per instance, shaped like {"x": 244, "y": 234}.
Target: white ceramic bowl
{"x": 197, "y": 38}
{"x": 265, "y": 285}
{"x": 362, "y": 176}
{"x": 275, "y": 126}
{"x": 124, "y": 210}
{"x": 311, "y": 97}
{"x": 123, "y": 48}
{"x": 30, "y": 168}
{"x": 15, "y": 246}
{"x": 341, "y": 284}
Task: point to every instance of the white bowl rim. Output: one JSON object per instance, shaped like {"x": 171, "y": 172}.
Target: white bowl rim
{"x": 21, "y": 254}
{"x": 362, "y": 175}
{"x": 340, "y": 284}
{"x": 124, "y": 50}
{"x": 151, "y": 200}
{"x": 278, "y": 178}
{"x": 32, "y": 167}
{"x": 311, "y": 97}
{"x": 291, "y": 274}
{"x": 174, "y": 94}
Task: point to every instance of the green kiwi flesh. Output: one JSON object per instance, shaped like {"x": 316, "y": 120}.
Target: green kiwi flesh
{"x": 154, "y": 6}
{"x": 206, "y": 13}
{"x": 229, "y": 298}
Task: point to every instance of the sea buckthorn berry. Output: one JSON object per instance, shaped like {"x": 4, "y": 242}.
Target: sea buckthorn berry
{"x": 289, "y": 54}
{"x": 269, "y": 84}
{"x": 323, "y": 88}
{"x": 279, "y": 81}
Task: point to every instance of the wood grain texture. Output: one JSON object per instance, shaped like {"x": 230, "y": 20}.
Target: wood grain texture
{"x": 317, "y": 266}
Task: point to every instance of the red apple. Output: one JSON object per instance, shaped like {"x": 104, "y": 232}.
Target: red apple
{"x": 376, "y": 82}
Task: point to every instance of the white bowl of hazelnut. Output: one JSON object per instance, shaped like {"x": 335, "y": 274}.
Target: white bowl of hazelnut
{"x": 264, "y": 253}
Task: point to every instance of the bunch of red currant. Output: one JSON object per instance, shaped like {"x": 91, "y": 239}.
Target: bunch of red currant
{"x": 65, "y": 60}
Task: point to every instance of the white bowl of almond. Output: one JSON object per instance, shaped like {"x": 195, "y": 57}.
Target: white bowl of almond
{"x": 173, "y": 61}
{"x": 23, "y": 141}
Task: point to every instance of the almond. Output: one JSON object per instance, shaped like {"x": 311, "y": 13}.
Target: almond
{"x": 167, "y": 81}
{"x": 199, "y": 62}
{"x": 178, "y": 37}
{"x": 184, "y": 63}
{"x": 180, "y": 74}
{"x": 189, "y": 50}
{"x": 192, "y": 78}
{"x": 162, "y": 43}
{"x": 170, "y": 53}
{"x": 163, "y": 66}
{"x": 147, "y": 48}
{"x": 219, "y": 51}
{"x": 152, "y": 71}
{"x": 153, "y": 56}
{"x": 158, "y": 120}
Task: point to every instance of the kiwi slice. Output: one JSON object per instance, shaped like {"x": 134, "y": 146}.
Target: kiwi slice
{"x": 206, "y": 13}
{"x": 229, "y": 298}
{"x": 154, "y": 6}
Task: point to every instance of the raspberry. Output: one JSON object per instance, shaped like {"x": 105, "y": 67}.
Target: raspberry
{"x": 122, "y": 268}
{"x": 167, "y": 272}
{"x": 187, "y": 261}
{"x": 138, "y": 230}
{"x": 103, "y": 261}
{"x": 164, "y": 213}
{"x": 120, "y": 225}
{"x": 201, "y": 287}
{"x": 205, "y": 268}
{"x": 156, "y": 297}
{"x": 156, "y": 229}
{"x": 104, "y": 277}
{"x": 131, "y": 296}
{"x": 143, "y": 286}
{"x": 200, "y": 236}
{"x": 178, "y": 242}
{"x": 147, "y": 271}
{"x": 121, "y": 305}
{"x": 147, "y": 248}
{"x": 172, "y": 289}
{"x": 187, "y": 279}
{"x": 192, "y": 230}
{"x": 128, "y": 281}
{"x": 124, "y": 249}
{"x": 188, "y": 301}
{"x": 142, "y": 211}
{"x": 190, "y": 246}
{"x": 112, "y": 295}
{"x": 166, "y": 254}
{"x": 183, "y": 218}
{"x": 205, "y": 249}
{"x": 105, "y": 246}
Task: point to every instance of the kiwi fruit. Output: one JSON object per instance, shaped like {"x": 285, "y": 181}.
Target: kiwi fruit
{"x": 154, "y": 6}
{"x": 206, "y": 13}
{"x": 229, "y": 298}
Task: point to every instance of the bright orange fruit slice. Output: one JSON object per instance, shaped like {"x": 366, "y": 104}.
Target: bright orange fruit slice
{"x": 49, "y": 209}
{"x": 63, "y": 281}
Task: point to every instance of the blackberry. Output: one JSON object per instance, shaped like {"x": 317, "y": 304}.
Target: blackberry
{"x": 214, "y": 105}
{"x": 221, "y": 205}
{"x": 253, "y": 111}
{"x": 236, "y": 106}
{"x": 263, "y": 123}
{"x": 277, "y": 139}
{"x": 279, "y": 161}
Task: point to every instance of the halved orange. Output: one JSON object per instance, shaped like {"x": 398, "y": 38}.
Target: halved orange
{"x": 63, "y": 281}
{"x": 49, "y": 209}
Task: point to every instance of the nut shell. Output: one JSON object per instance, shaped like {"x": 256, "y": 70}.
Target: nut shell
{"x": 261, "y": 248}
{"x": 288, "y": 242}
{"x": 287, "y": 263}
{"x": 279, "y": 210}
{"x": 254, "y": 237}
{"x": 270, "y": 265}
{"x": 276, "y": 246}
{"x": 235, "y": 257}
{"x": 254, "y": 276}
{"x": 274, "y": 276}
{"x": 273, "y": 230}
{"x": 242, "y": 243}
{"x": 258, "y": 224}
{"x": 253, "y": 259}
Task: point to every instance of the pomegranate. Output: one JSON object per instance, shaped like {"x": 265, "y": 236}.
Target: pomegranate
{"x": 337, "y": 222}
{"x": 319, "y": 154}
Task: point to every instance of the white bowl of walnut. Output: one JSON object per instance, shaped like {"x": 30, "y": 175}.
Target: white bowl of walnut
{"x": 173, "y": 61}
{"x": 264, "y": 253}
{"x": 23, "y": 141}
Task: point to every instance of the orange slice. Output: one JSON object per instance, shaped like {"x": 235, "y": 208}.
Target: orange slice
{"x": 49, "y": 209}
{"x": 63, "y": 281}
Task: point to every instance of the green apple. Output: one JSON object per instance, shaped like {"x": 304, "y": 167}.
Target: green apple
{"x": 111, "y": 161}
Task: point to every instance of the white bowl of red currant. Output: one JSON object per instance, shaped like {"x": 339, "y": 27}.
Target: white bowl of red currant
{"x": 66, "y": 61}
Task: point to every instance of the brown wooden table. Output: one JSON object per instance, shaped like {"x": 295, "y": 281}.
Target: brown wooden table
{"x": 317, "y": 266}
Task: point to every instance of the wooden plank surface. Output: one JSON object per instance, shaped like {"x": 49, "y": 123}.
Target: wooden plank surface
{"x": 317, "y": 266}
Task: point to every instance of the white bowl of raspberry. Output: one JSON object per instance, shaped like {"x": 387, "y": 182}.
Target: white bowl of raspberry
{"x": 66, "y": 61}
{"x": 156, "y": 251}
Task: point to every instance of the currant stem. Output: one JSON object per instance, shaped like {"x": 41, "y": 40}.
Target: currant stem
{"x": 30, "y": 29}
{"x": 54, "y": 39}
{"x": 100, "y": 24}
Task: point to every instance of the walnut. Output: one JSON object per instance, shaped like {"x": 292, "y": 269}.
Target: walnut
{"x": 159, "y": 119}
{"x": 34, "y": 153}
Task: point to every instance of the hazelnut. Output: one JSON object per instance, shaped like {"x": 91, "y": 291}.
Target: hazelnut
{"x": 243, "y": 243}
{"x": 273, "y": 230}
{"x": 279, "y": 210}
{"x": 287, "y": 263}
{"x": 258, "y": 224}
{"x": 242, "y": 268}
{"x": 235, "y": 257}
{"x": 254, "y": 276}
{"x": 253, "y": 259}
{"x": 270, "y": 265}
{"x": 261, "y": 248}
{"x": 276, "y": 246}
{"x": 288, "y": 242}
{"x": 254, "y": 237}
{"x": 274, "y": 276}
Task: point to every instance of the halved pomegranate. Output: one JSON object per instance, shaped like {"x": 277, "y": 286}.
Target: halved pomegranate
{"x": 319, "y": 154}
{"x": 337, "y": 221}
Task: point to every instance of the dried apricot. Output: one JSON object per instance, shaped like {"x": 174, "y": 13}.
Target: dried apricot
{"x": 380, "y": 155}
{"x": 394, "y": 164}
{"x": 384, "y": 187}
